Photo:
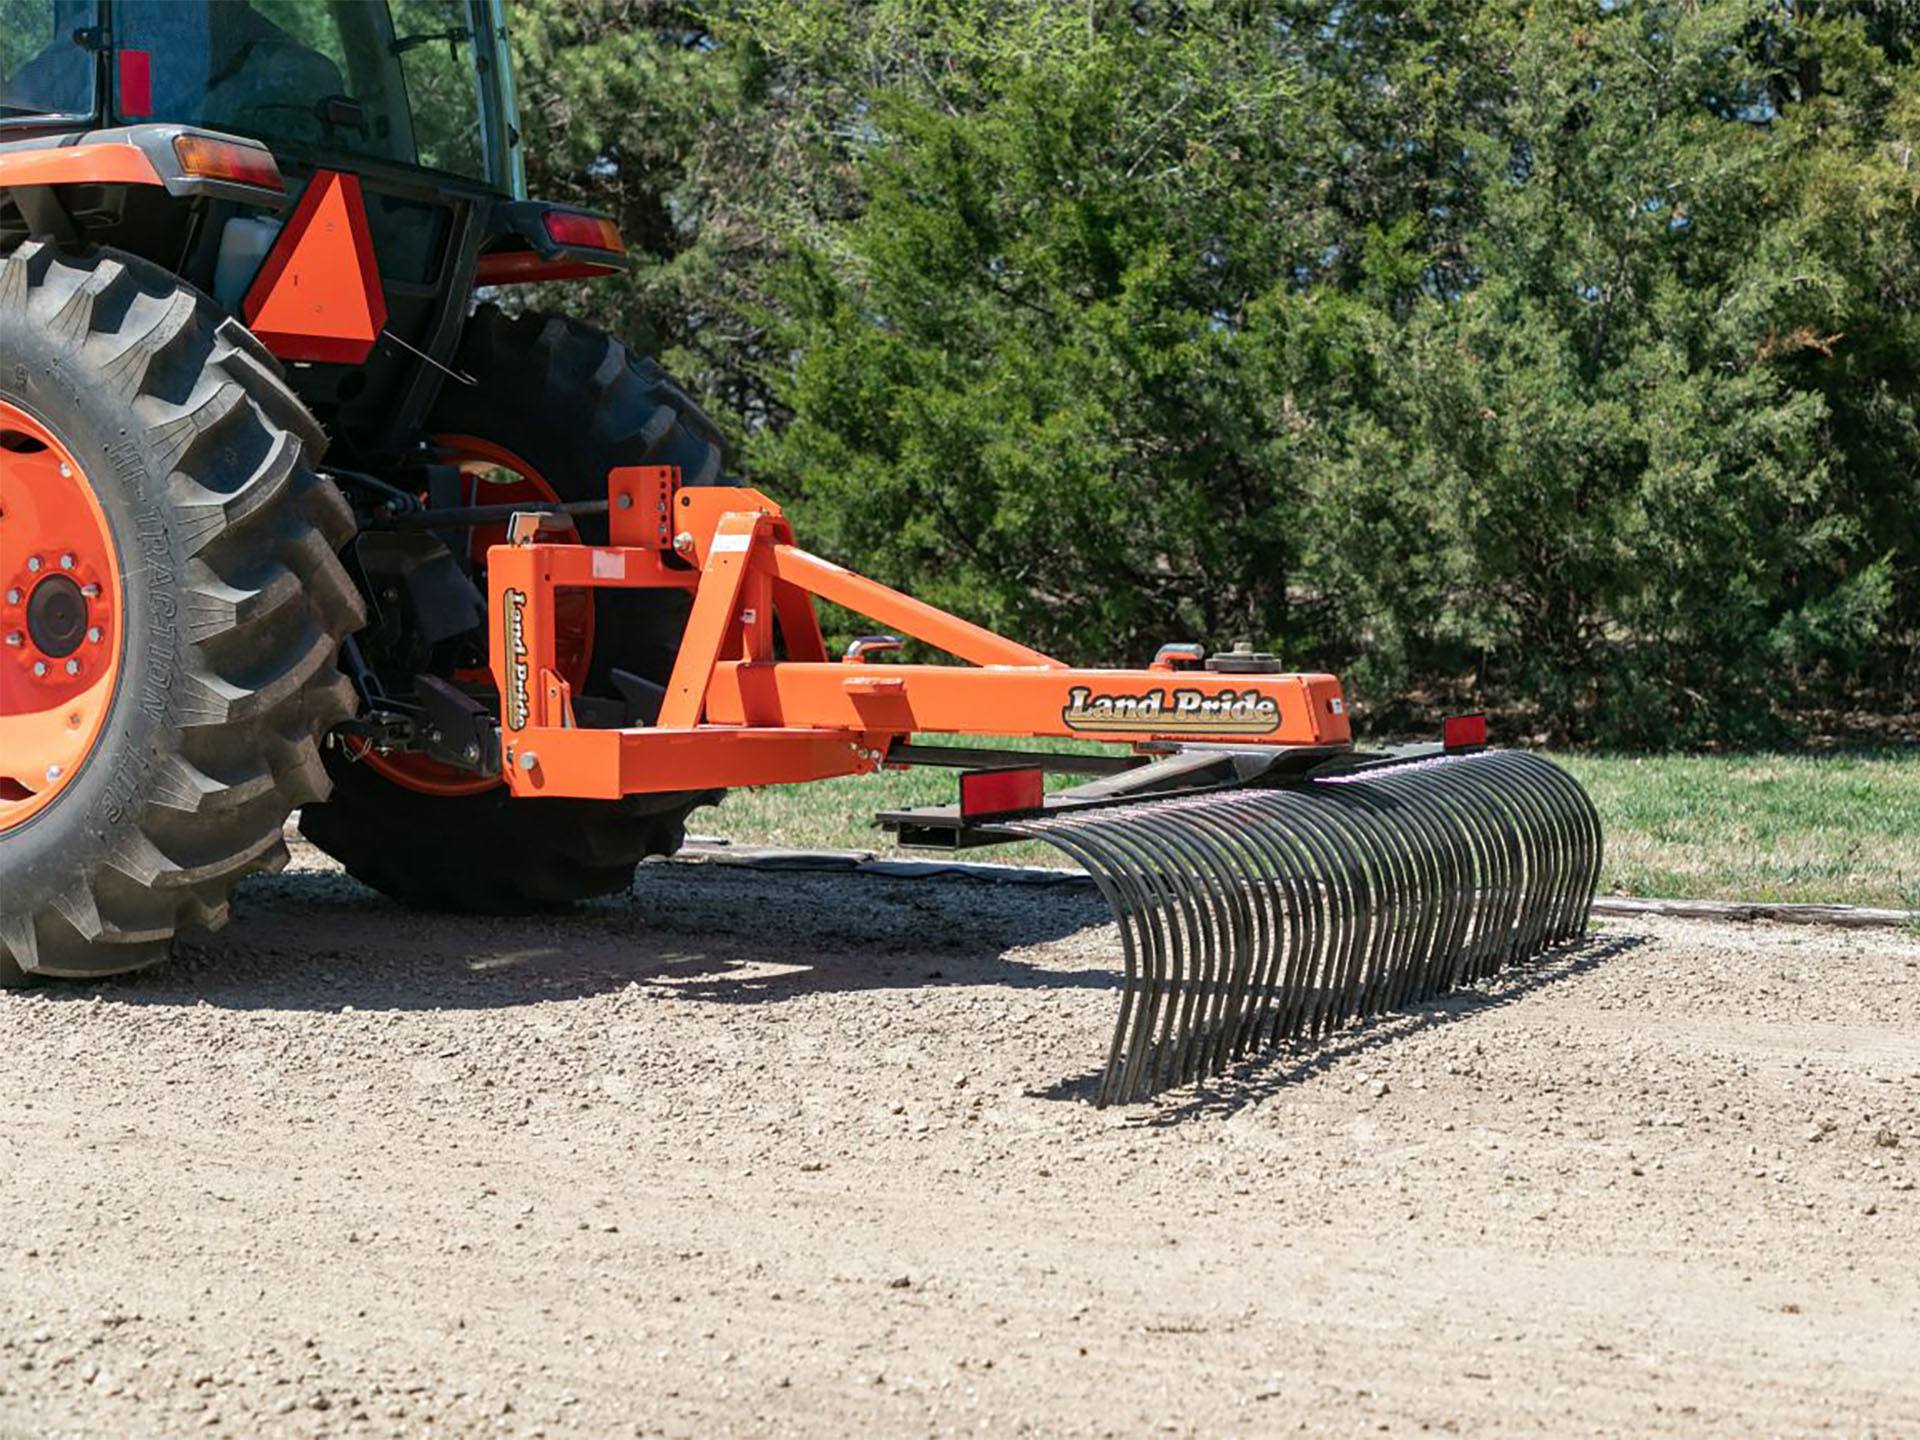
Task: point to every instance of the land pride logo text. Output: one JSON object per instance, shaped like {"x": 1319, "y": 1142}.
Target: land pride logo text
{"x": 519, "y": 698}
{"x": 1223, "y": 712}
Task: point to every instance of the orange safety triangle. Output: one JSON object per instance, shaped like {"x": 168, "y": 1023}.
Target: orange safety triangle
{"x": 318, "y": 295}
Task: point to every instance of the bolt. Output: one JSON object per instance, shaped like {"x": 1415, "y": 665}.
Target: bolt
{"x": 92, "y": 592}
{"x": 13, "y": 596}
{"x": 93, "y": 634}
{"x": 39, "y": 667}
{"x": 66, "y": 562}
{"x": 528, "y": 759}
{"x": 470, "y": 752}
{"x": 683, "y": 541}
{"x": 15, "y": 638}
{"x": 73, "y": 667}
{"x": 626, "y": 502}
{"x": 66, "y": 471}
{"x": 33, "y": 564}
{"x": 53, "y": 772}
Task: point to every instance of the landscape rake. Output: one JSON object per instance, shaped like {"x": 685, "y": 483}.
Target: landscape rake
{"x": 1270, "y": 881}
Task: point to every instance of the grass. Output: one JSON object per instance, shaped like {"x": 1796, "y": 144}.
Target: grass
{"x": 1833, "y": 828}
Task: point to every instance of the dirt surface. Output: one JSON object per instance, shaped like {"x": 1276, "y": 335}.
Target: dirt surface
{"x": 759, "y": 1154}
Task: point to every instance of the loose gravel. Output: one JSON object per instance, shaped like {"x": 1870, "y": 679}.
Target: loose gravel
{"x": 744, "y": 1153}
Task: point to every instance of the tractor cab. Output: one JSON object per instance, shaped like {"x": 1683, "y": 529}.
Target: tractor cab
{"x": 413, "y": 83}
{"x": 268, "y": 151}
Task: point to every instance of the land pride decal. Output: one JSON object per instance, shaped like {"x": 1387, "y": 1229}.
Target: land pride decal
{"x": 519, "y": 696}
{"x": 1223, "y": 712}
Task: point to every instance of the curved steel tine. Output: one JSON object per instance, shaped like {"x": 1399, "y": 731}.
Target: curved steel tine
{"x": 1250, "y": 936}
{"x": 1461, "y": 840}
{"x": 1132, "y": 872}
{"x": 1517, "y": 821}
{"x": 1567, "y": 865}
{"x": 1127, "y": 921}
{"x": 1150, "y": 823}
{"x": 1139, "y": 862}
{"x": 1314, "y": 933}
{"x": 1316, "y": 821}
{"x": 1518, "y": 784}
{"x": 1318, "y": 931}
{"x": 1405, "y": 806}
{"x": 1151, "y": 826}
{"x": 1392, "y": 934}
{"x": 1523, "y": 784}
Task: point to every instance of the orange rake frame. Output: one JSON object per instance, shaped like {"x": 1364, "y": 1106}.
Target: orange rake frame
{"x": 734, "y": 713}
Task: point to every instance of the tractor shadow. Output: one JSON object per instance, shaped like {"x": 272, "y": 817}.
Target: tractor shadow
{"x": 315, "y": 939}
{"x": 1263, "y": 1076}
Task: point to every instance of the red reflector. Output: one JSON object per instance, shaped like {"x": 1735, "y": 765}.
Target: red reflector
{"x": 136, "y": 84}
{"x": 585, "y": 232}
{"x": 1463, "y": 732}
{"x": 211, "y": 159}
{"x": 987, "y": 793}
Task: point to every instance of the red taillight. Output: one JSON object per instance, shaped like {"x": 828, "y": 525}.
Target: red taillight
{"x": 206, "y": 158}
{"x": 136, "y": 83}
{"x": 1463, "y": 732}
{"x": 584, "y": 232}
{"x": 985, "y": 794}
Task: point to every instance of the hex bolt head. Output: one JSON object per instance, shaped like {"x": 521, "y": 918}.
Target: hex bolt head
{"x": 33, "y": 564}
{"x": 39, "y": 667}
{"x": 13, "y": 595}
{"x": 16, "y": 639}
{"x": 683, "y": 541}
{"x": 626, "y": 502}
{"x": 73, "y": 667}
{"x": 66, "y": 562}
{"x": 66, "y": 471}
{"x": 92, "y": 592}
{"x": 528, "y": 759}
{"x": 53, "y": 772}
{"x": 93, "y": 634}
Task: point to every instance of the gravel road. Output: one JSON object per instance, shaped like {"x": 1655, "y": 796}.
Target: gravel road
{"x": 804, "y": 1154}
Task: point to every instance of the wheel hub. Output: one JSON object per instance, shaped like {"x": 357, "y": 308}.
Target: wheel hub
{"x": 56, "y": 617}
{"x": 60, "y": 616}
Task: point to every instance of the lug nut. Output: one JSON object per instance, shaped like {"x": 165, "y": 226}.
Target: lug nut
{"x": 15, "y": 638}
{"x": 92, "y": 592}
{"x": 66, "y": 562}
{"x": 13, "y": 596}
{"x": 683, "y": 541}
{"x": 39, "y": 667}
{"x": 33, "y": 564}
{"x": 93, "y": 634}
{"x": 73, "y": 667}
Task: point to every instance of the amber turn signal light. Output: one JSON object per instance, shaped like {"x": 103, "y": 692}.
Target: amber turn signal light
{"x": 206, "y": 158}
{"x": 585, "y": 232}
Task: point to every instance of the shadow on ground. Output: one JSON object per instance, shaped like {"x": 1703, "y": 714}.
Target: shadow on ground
{"x": 1258, "y": 1077}
{"x": 318, "y": 940}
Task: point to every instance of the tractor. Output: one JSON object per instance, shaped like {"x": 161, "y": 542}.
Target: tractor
{"x": 300, "y": 511}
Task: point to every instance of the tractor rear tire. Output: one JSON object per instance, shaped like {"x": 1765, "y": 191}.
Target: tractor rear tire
{"x": 571, "y": 403}
{"x": 157, "y": 455}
